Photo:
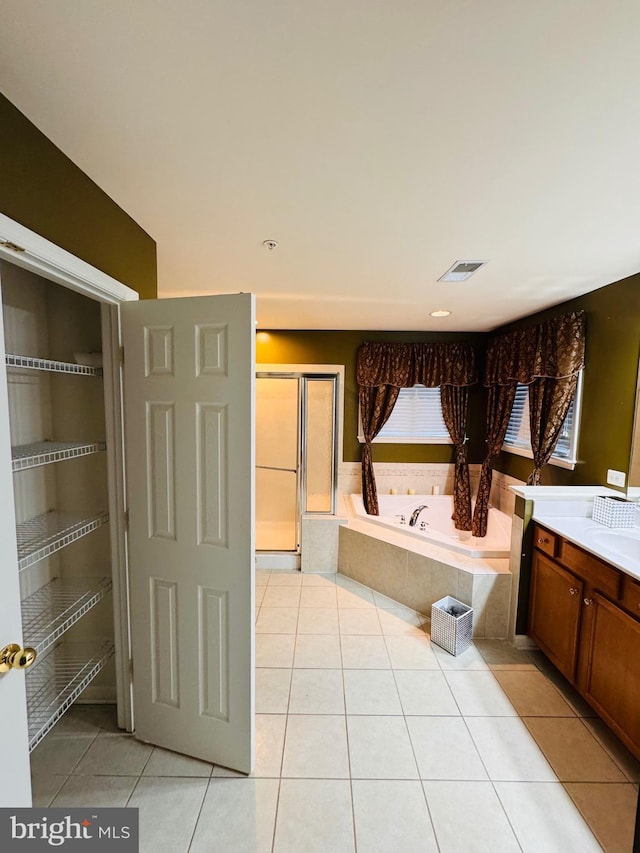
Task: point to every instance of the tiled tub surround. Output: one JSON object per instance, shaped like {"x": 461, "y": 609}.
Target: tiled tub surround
{"x": 417, "y": 574}
{"x": 435, "y": 512}
{"x": 320, "y": 533}
{"x": 319, "y": 540}
{"x": 422, "y": 478}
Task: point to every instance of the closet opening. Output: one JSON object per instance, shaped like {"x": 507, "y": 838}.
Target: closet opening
{"x": 65, "y": 440}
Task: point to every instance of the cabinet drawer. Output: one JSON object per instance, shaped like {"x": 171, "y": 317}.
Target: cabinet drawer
{"x": 599, "y": 575}
{"x": 545, "y": 541}
{"x": 631, "y": 595}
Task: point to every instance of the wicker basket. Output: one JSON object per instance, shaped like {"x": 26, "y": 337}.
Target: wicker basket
{"x": 451, "y": 630}
{"x": 614, "y": 512}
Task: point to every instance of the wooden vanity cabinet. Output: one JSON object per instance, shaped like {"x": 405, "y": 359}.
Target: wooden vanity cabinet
{"x": 610, "y": 674}
{"x": 585, "y": 616}
{"x": 554, "y": 615}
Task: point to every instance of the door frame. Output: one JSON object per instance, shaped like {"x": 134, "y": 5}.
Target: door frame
{"x": 300, "y": 371}
{"x": 24, "y": 248}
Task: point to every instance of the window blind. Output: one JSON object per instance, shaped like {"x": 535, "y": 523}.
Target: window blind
{"x": 417, "y": 415}
{"x": 518, "y": 435}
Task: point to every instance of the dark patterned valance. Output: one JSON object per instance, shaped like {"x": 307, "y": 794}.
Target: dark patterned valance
{"x": 405, "y": 365}
{"x": 382, "y": 369}
{"x": 552, "y": 349}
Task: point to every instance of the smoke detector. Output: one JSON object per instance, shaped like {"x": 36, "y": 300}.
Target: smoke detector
{"x": 461, "y": 270}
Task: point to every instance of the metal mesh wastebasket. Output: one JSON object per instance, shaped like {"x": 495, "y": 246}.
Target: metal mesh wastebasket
{"x": 451, "y": 624}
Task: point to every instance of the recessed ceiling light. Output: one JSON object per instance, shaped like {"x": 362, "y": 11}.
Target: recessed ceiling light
{"x": 461, "y": 270}
{"x": 441, "y": 313}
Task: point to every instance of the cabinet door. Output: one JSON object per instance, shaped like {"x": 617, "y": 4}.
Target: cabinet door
{"x": 189, "y": 425}
{"x": 554, "y": 613}
{"x": 611, "y": 650}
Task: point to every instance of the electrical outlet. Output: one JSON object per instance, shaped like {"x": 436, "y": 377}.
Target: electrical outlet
{"x": 616, "y": 478}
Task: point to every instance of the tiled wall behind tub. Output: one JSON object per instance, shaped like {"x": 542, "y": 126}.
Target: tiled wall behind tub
{"x": 502, "y": 497}
{"x": 422, "y": 478}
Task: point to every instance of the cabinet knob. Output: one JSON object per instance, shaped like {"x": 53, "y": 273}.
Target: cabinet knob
{"x": 574, "y": 590}
{"x": 543, "y": 541}
{"x": 588, "y": 601}
{"x": 13, "y": 657}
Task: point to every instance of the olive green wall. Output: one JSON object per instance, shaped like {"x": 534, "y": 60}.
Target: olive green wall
{"x": 608, "y": 402}
{"x": 609, "y": 389}
{"x": 310, "y": 347}
{"x": 44, "y": 191}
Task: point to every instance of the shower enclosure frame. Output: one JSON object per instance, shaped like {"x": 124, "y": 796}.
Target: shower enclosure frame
{"x": 305, "y": 373}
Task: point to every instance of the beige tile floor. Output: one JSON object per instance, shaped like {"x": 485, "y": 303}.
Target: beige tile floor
{"x": 369, "y": 739}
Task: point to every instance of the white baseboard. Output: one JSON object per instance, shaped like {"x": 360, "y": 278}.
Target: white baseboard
{"x": 276, "y": 561}
{"x": 103, "y": 695}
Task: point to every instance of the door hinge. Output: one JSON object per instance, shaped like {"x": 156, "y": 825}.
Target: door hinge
{"x": 121, "y": 355}
{"x": 126, "y": 520}
{"x": 131, "y": 667}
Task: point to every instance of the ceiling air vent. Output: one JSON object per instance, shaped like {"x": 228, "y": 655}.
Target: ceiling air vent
{"x": 461, "y": 270}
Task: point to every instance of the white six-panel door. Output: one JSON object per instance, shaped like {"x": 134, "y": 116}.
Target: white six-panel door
{"x": 189, "y": 380}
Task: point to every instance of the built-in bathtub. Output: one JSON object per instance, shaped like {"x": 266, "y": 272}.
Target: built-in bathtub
{"x": 434, "y": 523}
{"x": 417, "y": 568}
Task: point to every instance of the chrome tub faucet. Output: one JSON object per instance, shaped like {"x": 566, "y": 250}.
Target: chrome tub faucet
{"x": 416, "y": 513}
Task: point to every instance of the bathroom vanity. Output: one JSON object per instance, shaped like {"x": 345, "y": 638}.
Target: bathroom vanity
{"x": 584, "y": 614}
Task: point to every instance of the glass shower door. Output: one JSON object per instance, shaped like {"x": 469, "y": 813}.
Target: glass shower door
{"x": 277, "y": 463}
{"x": 318, "y": 453}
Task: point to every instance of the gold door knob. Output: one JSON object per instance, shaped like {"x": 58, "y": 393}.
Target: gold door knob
{"x": 13, "y": 657}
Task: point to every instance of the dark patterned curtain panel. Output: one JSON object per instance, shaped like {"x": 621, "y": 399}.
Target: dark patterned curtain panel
{"x": 376, "y": 404}
{"x": 382, "y": 369}
{"x": 455, "y": 406}
{"x": 499, "y": 404}
{"x": 547, "y": 358}
{"x": 549, "y": 402}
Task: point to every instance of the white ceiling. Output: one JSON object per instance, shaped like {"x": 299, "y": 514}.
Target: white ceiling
{"x": 376, "y": 141}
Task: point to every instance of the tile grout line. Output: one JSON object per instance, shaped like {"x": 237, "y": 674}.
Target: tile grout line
{"x": 420, "y": 780}
{"x": 284, "y": 739}
{"x": 346, "y": 729}
{"x": 482, "y": 761}
{"x": 521, "y": 718}
{"x": 195, "y": 823}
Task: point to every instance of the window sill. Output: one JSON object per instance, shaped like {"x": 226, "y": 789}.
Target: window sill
{"x": 407, "y": 440}
{"x": 569, "y": 464}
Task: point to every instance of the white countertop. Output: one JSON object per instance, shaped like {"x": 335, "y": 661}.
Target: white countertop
{"x": 562, "y": 493}
{"x": 619, "y": 546}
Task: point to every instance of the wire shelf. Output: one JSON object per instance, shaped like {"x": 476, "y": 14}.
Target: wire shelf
{"x": 45, "y": 534}
{"x": 52, "y": 366}
{"x": 56, "y": 681}
{"x": 45, "y": 452}
{"x": 54, "y": 608}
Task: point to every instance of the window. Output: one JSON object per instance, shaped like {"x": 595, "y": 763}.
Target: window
{"x": 518, "y": 436}
{"x": 416, "y": 419}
